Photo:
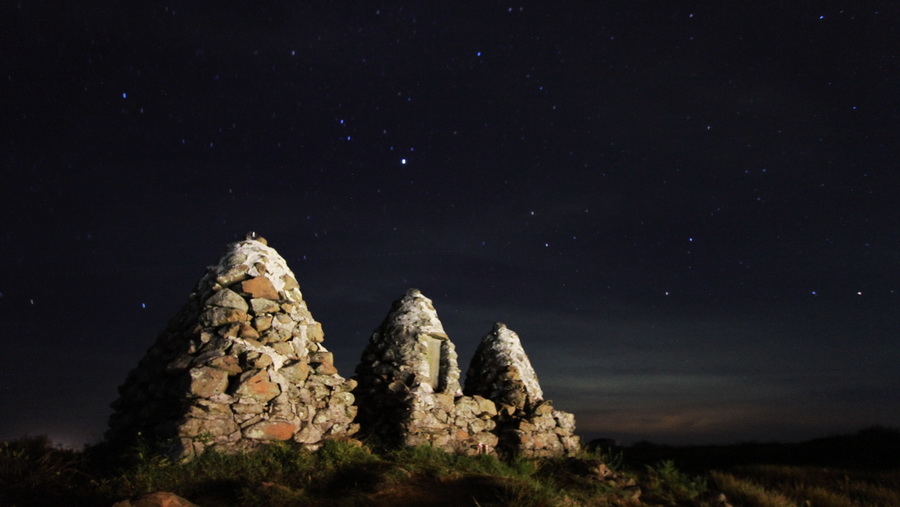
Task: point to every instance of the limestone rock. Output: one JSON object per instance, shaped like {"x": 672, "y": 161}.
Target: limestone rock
{"x": 228, "y": 299}
{"x": 207, "y": 382}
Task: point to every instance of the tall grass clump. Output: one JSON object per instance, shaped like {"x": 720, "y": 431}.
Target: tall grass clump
{"x": 666, "y": 482}
{"x": 34, "y": 472}
{"x": 215, "y": 476}
{"x": 746, "y": 492}
{"x": 827, "y": 486}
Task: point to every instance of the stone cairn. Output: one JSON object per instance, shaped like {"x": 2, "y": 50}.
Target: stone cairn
{"x": 240, "y": 365}
{"x": 527, "y": 424}
{"x": 409, "y": 392}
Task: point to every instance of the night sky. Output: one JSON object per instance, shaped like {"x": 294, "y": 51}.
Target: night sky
{"x": 688, "y": 211}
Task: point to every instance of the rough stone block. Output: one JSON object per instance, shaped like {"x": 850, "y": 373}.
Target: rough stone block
{"x": 255, "y": 384}
{"x": 217, "y": 316}
{"x": 207, "y": 381}
{"x": 315, "y": 333}
{"x": 284, "y": 348}
{"x": 289, "y": 282}
{"x": 262, "y": 322}
{"x": 271, "y": 430}
{"x": 233, "y": 275}
{"x": 485, "y": 406}
{"x": 260, "y": 287}
{"x": 247, "y": 331}
{"x": 227, "y": 298}
{"x": 295, "y": 373}
{"x": 544, "y": 408}
{"x": 321, "y": 357}
{"x": 260, "y": 306}
{"x": 326, "y": 369}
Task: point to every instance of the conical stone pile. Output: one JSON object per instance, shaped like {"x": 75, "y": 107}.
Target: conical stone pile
{"x": 409, "y": 392}
{"x": 527, "y": 424}
{"x": 241, "y": 364}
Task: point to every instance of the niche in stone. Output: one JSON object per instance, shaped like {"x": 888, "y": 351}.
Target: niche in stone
{"x": 433, "y": 361}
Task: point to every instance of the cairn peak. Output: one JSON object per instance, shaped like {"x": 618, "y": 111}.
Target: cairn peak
{"x": 414, "y": 315}
{"x": 254, "y": 236}
{"x": 252, "y": 259}
{"x": 501, "y": 370}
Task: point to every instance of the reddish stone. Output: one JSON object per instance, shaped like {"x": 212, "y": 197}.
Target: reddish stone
{"x": 271, "y": 430}
{"x": 158, "y": 499}
{"x": 258, "y": 387}
{"x": 260, "y": 287}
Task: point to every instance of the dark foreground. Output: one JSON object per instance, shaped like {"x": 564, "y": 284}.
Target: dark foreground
{"x": 860, "y": 469}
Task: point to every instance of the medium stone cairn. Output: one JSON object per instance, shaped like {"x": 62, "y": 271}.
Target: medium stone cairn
{"x": 409, "y": 392}
{"x": 240, "y": 365}
{"x": 527, "y": 424}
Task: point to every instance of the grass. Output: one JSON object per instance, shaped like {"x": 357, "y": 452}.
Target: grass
{"x": 818, "y": 486}
{"x": 34, "y": 472}
{"x": 669, "y": 484}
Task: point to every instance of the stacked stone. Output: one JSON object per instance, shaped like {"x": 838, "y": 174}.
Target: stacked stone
{"x": 240, "y": 365}
{"x": 409, "y": 392}
{"x": 527, "y": 424}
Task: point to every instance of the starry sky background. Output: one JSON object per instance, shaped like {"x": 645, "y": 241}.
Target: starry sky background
{"x": 687, "y": 211}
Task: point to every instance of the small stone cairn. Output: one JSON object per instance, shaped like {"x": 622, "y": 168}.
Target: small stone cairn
{"x": 240, "y": 365}
{"x": 409, "y": 391}
{"x": 527, "y": 424}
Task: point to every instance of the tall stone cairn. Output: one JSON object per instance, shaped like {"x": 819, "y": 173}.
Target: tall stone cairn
{"x": 409, "y": 392}
{"x": 240, "y": 365}
{"x": 527, "y": 425}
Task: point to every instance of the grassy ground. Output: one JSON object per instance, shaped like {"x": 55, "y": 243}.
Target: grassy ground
{"x": 34, "y": 472}
{"x": 781, "y": 485}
